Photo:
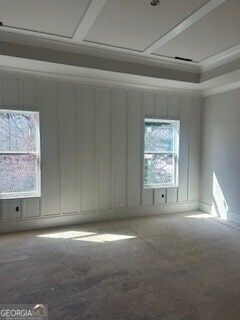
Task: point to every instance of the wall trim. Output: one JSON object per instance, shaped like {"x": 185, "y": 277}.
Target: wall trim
{"x": 231, "y": 216}
{"x": 228, "y": 87}
{"x": 94, "y": 216}
{"x": 220, "y": 58}
{"x": 79, "y": 75}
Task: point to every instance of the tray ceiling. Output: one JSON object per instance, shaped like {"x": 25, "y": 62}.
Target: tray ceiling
{"x": 136, "y": 24}
{"x": 217, "y": 31}
{"x": 194, "y": 29}
{"x": 59, "y": 17}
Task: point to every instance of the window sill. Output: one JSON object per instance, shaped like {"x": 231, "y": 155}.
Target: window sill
{"x": 19, "y": 196}
{"x": 160, "y": 186}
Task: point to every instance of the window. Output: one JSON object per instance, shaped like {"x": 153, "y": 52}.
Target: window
{"x": 19, "y": 154}
{"x": 161, "y": 144}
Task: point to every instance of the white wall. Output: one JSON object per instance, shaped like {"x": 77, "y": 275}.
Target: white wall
{"x": 220, "y": 154}
{"x": 92, "y": 146}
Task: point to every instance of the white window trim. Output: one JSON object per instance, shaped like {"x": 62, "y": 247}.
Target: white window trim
{"x": 37, "y": 153}
{"x": 176, "y": 156}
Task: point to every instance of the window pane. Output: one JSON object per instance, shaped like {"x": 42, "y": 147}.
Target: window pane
{"x": 18, "y": 131}
{"x": 159, "y": 137}
{"x": 158, "y": 169}
{"x": 17, "y": 173}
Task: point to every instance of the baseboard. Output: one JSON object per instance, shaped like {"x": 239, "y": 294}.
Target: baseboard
{"x": 205, "y": 207}
{"x": 79, "y": 218}
{"x": 231, "y": 216}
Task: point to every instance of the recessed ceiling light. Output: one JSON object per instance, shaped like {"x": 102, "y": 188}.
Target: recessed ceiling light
{"x": 155, "y": 2}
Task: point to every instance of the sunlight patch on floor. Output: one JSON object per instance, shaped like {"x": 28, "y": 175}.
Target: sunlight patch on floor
{"x": 87, "y": 236}
{"x": 66, "y": 234}
{"x": 105, "y": 238}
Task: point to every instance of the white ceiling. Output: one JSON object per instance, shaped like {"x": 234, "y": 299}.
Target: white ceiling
{"x": 217, "y": 31}
{"x": 195, "y": 29}
{"x": 59, "y": 17}
{"x": 135, "y": 24}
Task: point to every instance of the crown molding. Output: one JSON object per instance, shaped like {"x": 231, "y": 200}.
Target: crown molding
{"x": 228, "y": 87}
{"x": 98, "y": 50}
{"x": 129, "y": 55}
{"x": 222, "y": 83}
{"x": 49, "y": 71}
{"x": 16, "y": 67}
{"x": 223, "y": 57}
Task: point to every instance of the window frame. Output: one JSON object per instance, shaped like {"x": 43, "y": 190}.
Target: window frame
{"x": 175, "y": 154}
{"x": 37, "y": 153}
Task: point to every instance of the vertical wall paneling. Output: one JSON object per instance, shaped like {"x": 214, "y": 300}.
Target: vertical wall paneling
{"x": 134, "y": 148}
{"x": 68, "y": 150}
{"x": 172, "y": 195}
{"x": 87, "y": 147}
{"x": 162, "y": 105}
{"x": 149, "y": 109}
{"x": 92, "y": 142}
{"x": 159, "y": 196}
{"x": 147, "y": 197}
{"x": 149, "y": 104}
{"x": 184, "y": 148}
{"x": 9, "y": 209}
{"x": 1, "y": 210}
{"x": 29, "y": 97}
{"x": 194, "y": 154}
{"x": 1, "y": 92}
{"x": 50, "y": 149}
{"x": 174, "y": 110}
{"x": 31, "y": 207}
{"x": 1, "y": 105}
{"x": 11, "y": 100}
{"x": 119, "y": 148}
{"x": 103, "y": 117}
{"x": 173, "y": 113}
{"x": 10, "y": 88}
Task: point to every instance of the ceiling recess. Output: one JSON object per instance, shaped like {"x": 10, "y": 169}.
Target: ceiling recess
{"x": 183, "y": 59}
{"x": 155, "y": 3}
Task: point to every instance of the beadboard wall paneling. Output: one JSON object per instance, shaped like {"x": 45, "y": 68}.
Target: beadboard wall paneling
{"x": 92, "y": 148}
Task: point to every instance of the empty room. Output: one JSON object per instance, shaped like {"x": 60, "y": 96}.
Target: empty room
{"x": 119, "y": 159}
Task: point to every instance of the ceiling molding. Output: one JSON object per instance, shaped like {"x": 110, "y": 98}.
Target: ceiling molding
{"x": 85, "y": 24}
{"x": 197, "y": 15}
{"x": 133, "y": 55}
{"x": 228, "y": 87}
{"x": 222, "y": 83}
{"x": 220, "y": 58}
{"x": 98, "y": 52}
{"x": 37, "y": 34}
{"x": 89, "y": 17}
{"x": 27, "y": 68}
{"x": 93, "y": 62}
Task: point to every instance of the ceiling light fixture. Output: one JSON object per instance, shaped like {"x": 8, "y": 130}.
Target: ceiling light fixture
{"x": 155, "y": 3}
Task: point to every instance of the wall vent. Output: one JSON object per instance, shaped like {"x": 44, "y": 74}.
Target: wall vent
{"x": 183, "y": 59}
